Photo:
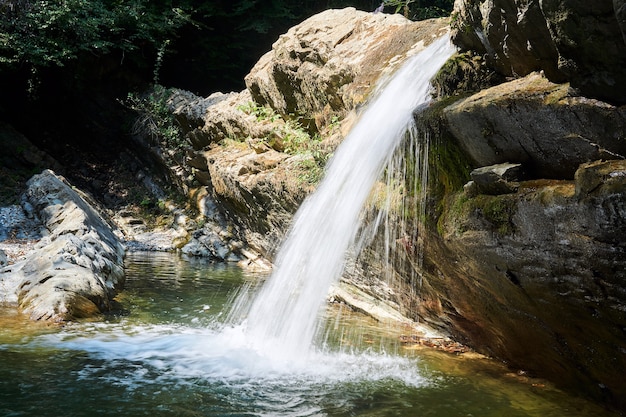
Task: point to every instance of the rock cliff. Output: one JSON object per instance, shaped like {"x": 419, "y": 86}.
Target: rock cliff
{"x": 528, "y": 265}
{"x": 258, "y": 153}
{"x": 576, "y": 41}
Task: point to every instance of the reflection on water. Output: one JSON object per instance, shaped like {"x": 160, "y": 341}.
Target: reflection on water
{"x": 166, "y": 352}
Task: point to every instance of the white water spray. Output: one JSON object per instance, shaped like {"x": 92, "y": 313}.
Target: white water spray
{"x": 282, "y": 319}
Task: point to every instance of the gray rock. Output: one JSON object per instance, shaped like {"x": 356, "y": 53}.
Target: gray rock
{"x": 536, "y": 277}
{"x": 190, "y": 112}
{"x": 538, "y": 124}
{"x": 497, "y": 179}
{"x": 76, "y": 270}
{"x": 208, "y": 243}
{"x": 577, "y": 41}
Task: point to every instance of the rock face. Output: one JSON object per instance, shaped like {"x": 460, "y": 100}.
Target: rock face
{"x": 258, "y": 153}
{"x": 536, "y": 277}
{"x": 577, "y": 41}
{"x": 545, "y": 262}
{"x": 77, "y": 267}
{"x": 329, "y": 63}
{"x": 528, "y": 266}
{"x": 537, "y": 123}
{"x": 252, "y": 184}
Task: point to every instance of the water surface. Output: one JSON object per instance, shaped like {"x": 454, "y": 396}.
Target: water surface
{"x": 167, "y": 352}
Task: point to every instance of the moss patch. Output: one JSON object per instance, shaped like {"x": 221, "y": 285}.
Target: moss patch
{"x": 497, "y": 210}
{"x": 494, "y": 211}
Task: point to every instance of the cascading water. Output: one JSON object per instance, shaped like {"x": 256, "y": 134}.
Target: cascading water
{"x": 282, "y": 319}
{"x": 168, "y": 352}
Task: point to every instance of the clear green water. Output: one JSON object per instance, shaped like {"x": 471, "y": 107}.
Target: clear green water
{"x": 167, "y": 353}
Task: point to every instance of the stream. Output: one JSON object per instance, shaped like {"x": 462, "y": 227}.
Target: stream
{"x": 170, "y": 350}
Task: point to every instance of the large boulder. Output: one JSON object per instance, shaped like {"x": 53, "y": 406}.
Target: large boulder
{"x": 537, "y": 123}
{"x": 252, "y": 170}
{"x": 536, "y": 278}
{"x": 328, "y": 64}
{"x": 578, "y": 41}
{"x": 77, "y": 268}
{"x": 260, "y": 152}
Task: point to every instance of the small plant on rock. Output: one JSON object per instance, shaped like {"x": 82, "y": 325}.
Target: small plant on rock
{"x": 155, "y": 120}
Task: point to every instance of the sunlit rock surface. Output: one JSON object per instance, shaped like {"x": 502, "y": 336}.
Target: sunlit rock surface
{"x": 328, "y": 64}
{"x": 77, "y": 266}
{"x": 542, "y": 125}
{"x": 248, "y": 150}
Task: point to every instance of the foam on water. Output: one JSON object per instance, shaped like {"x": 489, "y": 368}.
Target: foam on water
{"x": 160, "y": 353}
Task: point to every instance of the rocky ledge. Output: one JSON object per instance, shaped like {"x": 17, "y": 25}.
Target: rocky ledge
{"x": 76, "y": 267}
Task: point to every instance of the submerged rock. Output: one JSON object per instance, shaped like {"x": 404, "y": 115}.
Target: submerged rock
{"x": 77, "y": 267}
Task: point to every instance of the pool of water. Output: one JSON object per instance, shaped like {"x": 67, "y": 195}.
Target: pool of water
{"x": 168, "y": 352}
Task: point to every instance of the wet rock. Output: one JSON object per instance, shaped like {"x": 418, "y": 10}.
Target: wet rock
{"x": 600, "y": 178}
{"x": 210, "y": 244}
{"x": 76, "y": 269}
{"x": 536, "y": 277}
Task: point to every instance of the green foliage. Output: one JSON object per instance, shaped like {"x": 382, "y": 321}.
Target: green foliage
{"x": 44, "y": 33}
{"x": 311, "y": 171}
{"x": 260, "y": 112}
{"x": 421, "y": 9}
{"x": 209, "y": 40}
{"x": 498, "y": 210}
{"x": 155, "y": 120}
{"x": 289, "y": 136}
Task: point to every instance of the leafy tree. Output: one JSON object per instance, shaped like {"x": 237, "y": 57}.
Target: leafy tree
{"x": 421, "y": 9}
{"x": 216, "y": 40}
{"x": 43, "y": 33}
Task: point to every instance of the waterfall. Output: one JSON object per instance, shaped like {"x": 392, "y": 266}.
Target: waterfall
{"x": 283, "y": 316}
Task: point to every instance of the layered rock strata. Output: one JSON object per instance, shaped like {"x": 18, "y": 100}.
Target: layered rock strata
{"x": 77, "y": 266}
{"x": 247, "y": 149}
